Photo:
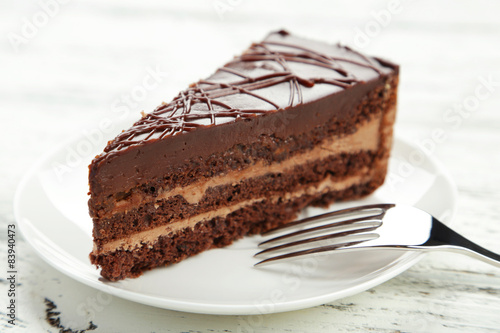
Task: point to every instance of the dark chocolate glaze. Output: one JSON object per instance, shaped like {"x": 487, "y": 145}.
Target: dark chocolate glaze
{"x": 282, "y": 86}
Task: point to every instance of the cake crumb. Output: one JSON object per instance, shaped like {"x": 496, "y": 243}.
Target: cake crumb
{"x": 54, "y": 319}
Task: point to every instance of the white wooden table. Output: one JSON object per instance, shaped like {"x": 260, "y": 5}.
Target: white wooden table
{"x": 67, "y": 65}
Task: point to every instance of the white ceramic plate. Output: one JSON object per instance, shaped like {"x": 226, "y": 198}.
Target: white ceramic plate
{"x": 51, "y": 211}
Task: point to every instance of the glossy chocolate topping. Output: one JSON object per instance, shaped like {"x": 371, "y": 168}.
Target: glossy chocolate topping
{"x": 285, "y": 84}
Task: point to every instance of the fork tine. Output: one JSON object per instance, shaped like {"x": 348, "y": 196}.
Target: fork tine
{"x": 352, "y": 226}
{"x": 335, "y": 214}
{"x": 342, "y": 226}
{"x": 338, "y": 238}
{"x": 317, "y": 250}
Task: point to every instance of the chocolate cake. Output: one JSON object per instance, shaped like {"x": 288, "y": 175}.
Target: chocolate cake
{"x": 289, "y": 123}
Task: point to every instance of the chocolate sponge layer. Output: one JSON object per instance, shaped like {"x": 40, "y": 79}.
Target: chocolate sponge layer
{"x": 218, "y": 232}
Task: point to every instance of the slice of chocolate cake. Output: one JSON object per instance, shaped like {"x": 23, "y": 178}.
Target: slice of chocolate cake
{"x": 289, "y": 123}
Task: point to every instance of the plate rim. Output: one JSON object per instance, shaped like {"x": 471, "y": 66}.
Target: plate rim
{"x": 403, "y": 263}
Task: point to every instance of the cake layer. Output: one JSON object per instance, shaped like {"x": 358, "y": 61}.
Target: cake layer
{"x": 152, "y": 214}
{"x": 169, "y": 211}
{"x": 145, "y": 238}
{"x": 217, "y": 232}
{"x": 366, "y": 138}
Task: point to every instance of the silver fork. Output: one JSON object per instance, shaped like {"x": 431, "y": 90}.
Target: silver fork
{"x": 381, "y": 226}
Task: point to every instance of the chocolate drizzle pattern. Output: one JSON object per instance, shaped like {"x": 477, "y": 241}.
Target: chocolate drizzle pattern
{"x": 208, "y": 102}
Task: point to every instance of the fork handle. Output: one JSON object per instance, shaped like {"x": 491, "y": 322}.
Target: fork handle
{"x": 444, "y": 238}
